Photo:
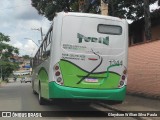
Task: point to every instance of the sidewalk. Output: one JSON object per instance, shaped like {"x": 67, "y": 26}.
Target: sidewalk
{"x": 2, "y": 83}
{"x": 138, "y": 104}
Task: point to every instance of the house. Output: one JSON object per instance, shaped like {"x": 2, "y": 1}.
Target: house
{"x": 16, "y": 59}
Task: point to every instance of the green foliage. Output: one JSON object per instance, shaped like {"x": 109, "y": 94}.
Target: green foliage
{"x": 6, "y": 51}
{"x": 7, "y": 68}
{"x": 129, "y": 9}
{"x": 4, "y": 38}
{"x": 49, "y": 8}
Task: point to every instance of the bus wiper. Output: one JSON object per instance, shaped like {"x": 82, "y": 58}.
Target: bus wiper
{"x": 93, "y": 69}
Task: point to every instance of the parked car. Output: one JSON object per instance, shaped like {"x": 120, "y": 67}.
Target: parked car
{"x": 26, "y": 79}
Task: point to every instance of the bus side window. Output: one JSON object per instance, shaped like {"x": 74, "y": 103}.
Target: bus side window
{"x": 40, "y": 54}
{"x": 48, "y": 44}
{"x": 44, "y": 49}
{"x": 46, "y": 54}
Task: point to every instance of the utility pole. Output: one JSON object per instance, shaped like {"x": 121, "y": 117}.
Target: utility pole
{"x": 41, "y": 33}
{"x": 104, "y": 7}
{"x": 81, "y": 5}
{"x": 85, "y": 6}
{"x": 39, "y": 29}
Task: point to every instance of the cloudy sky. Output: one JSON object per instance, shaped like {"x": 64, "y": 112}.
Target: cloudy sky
{"x": 18, "y": 18}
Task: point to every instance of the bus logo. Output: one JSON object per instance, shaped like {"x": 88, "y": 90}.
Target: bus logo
{"x": 101, "y": 40}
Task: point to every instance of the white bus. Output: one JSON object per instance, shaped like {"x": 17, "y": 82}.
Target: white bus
{"x": 83, "y": 56}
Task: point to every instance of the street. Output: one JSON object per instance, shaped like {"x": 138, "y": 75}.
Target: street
{"x": 16, "y": 96}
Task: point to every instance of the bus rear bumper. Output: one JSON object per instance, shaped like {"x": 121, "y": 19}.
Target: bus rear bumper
{"x": 57, "y": 91}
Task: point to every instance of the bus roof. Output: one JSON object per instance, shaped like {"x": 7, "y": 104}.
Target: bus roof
{"x": 89, "y": 15}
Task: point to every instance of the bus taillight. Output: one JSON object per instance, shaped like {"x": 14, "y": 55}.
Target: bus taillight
{"x": 58, "y": 75}
{"x": 125, "y": 71}
{"x": 59, "y": 80}
{"x": 56, "y": 67}
{"x": 123, "y": 78}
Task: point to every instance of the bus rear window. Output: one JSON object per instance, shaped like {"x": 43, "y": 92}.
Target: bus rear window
{"x": 109, "y": 29}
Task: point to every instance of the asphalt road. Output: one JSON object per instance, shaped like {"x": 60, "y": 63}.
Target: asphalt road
{"x": 16, "y": 96}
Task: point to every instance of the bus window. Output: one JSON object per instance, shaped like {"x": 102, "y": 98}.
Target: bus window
{"x": 110, "y": 29}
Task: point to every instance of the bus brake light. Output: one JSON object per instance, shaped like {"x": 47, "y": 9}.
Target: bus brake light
{"x": 57, "y": 73}
{"x": 56, "y": 67}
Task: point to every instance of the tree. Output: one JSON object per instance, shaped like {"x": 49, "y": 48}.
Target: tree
{"x": 147, "y": 18}
{"x": 6, "y": 51}
{"x": 129, "y": 9}
{"x": 49, "y": 8}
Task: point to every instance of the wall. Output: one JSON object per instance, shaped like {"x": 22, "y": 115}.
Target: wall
{"x": 144, "y": 69}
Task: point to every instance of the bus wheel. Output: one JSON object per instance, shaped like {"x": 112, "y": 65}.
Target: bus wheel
{"x": 40, "y": 98}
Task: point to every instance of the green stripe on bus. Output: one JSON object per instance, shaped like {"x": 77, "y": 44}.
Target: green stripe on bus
{"x": 72, "y": 74}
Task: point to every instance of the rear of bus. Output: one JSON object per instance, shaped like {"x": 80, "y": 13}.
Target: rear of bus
{"x": 93, "y": 58}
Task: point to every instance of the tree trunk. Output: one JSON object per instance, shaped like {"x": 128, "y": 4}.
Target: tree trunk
{"x": 147, "y": 20}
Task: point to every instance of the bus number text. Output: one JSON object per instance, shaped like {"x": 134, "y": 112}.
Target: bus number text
{"x": 116, "y": 62}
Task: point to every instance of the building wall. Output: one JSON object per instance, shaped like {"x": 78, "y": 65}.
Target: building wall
{"x": 144, "y": 69}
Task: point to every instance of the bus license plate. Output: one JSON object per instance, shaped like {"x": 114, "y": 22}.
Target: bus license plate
{"x": 91, "y": 80}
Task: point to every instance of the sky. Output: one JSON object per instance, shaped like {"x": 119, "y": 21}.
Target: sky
{"x": 18, "y": 19}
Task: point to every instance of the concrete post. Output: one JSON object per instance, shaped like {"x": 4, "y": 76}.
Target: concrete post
{"x": 104, "y": 8}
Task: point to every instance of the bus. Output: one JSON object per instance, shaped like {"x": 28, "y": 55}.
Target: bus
{"x": 82, "y": 57}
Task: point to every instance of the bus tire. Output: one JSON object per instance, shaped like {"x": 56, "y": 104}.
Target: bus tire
{"x": 40, "y": 98}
